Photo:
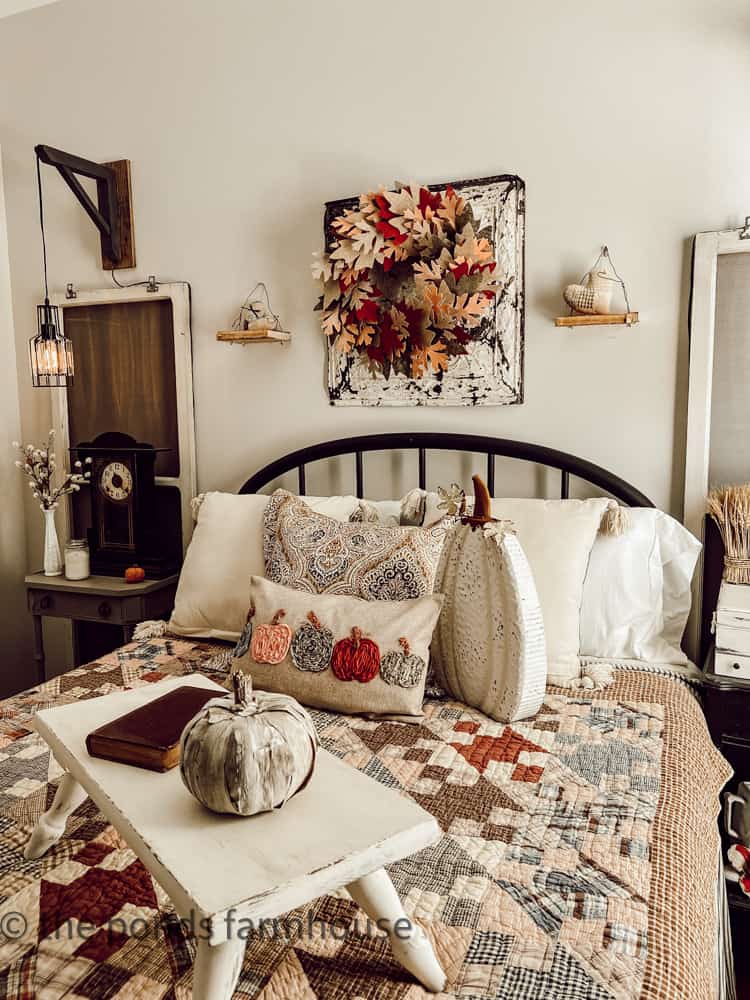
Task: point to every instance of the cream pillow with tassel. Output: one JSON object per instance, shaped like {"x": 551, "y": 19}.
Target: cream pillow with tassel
{"x": 557, "y": 537}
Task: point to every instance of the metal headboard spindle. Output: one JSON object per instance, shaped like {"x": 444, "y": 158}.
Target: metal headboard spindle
{"x": 423, "y": 442}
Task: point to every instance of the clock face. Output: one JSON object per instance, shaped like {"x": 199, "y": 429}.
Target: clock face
{"x": 116, "y": 482}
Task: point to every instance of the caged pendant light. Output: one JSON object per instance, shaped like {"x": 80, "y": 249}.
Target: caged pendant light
{"x": 50, "y": 351}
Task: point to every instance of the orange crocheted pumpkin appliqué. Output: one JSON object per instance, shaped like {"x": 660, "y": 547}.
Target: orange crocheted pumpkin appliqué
{"x": 270, "y": 643}
{"x": 355, "y": 658}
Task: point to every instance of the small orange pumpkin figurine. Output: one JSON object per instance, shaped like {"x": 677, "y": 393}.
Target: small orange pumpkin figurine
{"x": 270, "y": 643}
{"x": 355, "y": 659}
{"x": 134, "y": 574}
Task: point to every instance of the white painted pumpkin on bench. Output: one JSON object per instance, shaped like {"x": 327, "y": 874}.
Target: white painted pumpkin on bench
{"x": 488, "y": 649}
{"x": 249, "y": 755}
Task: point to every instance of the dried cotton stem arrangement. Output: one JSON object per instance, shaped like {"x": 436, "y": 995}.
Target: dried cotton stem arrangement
{"x": 729, "y": 506}
{"x": 38, "y": 465}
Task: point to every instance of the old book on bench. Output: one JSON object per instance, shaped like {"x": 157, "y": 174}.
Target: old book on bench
{"x": 150, "y": 735}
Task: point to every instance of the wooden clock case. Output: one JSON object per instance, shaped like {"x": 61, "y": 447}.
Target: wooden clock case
{"x": 124, "y": 513}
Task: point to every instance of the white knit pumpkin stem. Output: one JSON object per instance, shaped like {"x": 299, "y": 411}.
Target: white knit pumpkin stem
{"x": 242, "y": 685}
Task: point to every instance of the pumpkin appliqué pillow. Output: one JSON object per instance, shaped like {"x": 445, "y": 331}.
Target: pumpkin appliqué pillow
{"x": 339, "y": 653}
{"x": 309, "y": 551}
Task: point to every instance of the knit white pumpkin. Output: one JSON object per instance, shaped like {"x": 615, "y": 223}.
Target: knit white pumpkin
{"x": 249, "y": 755}
{"x": 488, "y": 649}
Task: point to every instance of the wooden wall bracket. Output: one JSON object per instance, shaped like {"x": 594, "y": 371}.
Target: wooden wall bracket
{"x": 113, "y": 213}
{"x": 606, "y": 319}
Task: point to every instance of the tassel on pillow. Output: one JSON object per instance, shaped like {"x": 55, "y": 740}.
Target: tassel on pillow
{"x": 149, "y": 630}
{"x": 195, "y": 506}
{"x": 615, "y": 520}
{"x": 364, "y": 513}
{"x": 594, "y": 676}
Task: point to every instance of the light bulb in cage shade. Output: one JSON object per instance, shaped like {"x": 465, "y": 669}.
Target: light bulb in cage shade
{"x": 51, "y": 353}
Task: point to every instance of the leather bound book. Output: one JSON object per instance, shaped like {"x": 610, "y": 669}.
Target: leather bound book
{"x": 150, "y": 735}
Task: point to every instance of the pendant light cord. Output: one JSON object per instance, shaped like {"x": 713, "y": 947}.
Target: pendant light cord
{"x": 41, "y": 223}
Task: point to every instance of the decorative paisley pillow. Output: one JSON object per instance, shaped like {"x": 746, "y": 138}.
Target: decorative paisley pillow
{"x": 339, "y": 653}
{"x": 312, "y": 552}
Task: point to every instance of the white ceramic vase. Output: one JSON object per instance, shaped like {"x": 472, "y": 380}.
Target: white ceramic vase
{"x": 53, "y": 565}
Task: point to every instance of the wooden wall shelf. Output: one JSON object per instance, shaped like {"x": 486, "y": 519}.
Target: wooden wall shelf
{"x": 243, "y": 337}
{"x": 610, "y": 319}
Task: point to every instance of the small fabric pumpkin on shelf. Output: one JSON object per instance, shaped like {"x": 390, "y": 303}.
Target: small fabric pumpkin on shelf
{"x": 270, "y": 643}
{"x": 355, "y": 658}
{"x": 312, "y": 645}
{"x": 248, "y": 755}
{"x": 488, "y": 648}
{"x": 403, "y": 668}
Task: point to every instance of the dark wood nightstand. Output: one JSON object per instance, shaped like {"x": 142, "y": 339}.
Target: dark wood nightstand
{"x": 104, "y": 610}
{"x": 726, "y": 703}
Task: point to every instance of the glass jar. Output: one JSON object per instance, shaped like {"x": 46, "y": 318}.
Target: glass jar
{"x": 77, "y": 559}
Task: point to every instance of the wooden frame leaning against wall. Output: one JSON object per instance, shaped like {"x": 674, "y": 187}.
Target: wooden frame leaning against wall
{"x": 707, "y": 249}
{"x": 178, "y": 294}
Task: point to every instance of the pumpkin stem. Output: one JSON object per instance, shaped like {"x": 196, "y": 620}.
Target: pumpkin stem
{"x": 404, "y": 644}
{"x": 482, "y": 505}
{"x": 242, "y": 688}
{"x": 278, "y": 616}
{"x": 313, "y": 619}
{"x": 356, "y": 635}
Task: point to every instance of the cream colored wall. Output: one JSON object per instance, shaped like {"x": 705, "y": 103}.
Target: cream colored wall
{"x": 628, "y": 122}
{"x": 15, "y": 646}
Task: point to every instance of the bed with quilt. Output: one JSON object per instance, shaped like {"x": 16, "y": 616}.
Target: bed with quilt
{"x": 579, "y": 855}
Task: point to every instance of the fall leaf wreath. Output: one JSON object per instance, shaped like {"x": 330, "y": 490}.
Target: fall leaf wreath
{"x": 407, "y": 280}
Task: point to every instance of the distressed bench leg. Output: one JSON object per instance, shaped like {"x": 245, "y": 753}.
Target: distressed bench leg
{"x": 410, "y": 946}
{"x": 51, "y": 825}
{"x": 217, "y": 969}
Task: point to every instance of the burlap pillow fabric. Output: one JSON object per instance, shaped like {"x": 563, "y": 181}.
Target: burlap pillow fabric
{"x": 312, "y": 552}
{"x": 341, "y": 653}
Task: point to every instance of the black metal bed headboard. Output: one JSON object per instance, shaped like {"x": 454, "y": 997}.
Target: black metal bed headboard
{"x": 492, "y": 447}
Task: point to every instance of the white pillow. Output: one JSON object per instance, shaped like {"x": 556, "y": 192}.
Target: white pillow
{"x": 636, "y": 597}
{"x": 225, "y": 551}
{"x": 557, "y": 537}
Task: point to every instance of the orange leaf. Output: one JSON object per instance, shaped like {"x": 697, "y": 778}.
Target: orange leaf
{"x": 399, "y": 321}
{"x": 418, "y": 362}
{"x": 428, "y": 270}
{"x": 365, "y": 335}
{"x": 469, "y": 248}
{"x": 331, "y": 322}
{"x": 452, "y": 206}
{"x": 345, "y": 340}
{"x": 469, "y": 309}
{"x": 436, "y": 357}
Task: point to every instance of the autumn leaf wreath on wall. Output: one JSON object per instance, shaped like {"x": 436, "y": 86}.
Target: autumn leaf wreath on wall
{"x": 407, "y": 280}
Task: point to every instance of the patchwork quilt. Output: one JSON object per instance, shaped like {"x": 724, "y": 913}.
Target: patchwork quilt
{"x": 578, "y": 858}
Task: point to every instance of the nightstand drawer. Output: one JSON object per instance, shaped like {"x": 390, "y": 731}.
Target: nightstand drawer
{"x": 728, "y": 664}
{"x": 732, "y": 633}
{"x": 85, "y": 607}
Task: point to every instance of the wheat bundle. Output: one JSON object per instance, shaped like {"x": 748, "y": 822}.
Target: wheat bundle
{"x": 729, "y": 506}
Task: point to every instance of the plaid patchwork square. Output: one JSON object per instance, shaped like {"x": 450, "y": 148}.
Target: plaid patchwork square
{"x": 625, "y": 940}
{"x": 489, "y": 948}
